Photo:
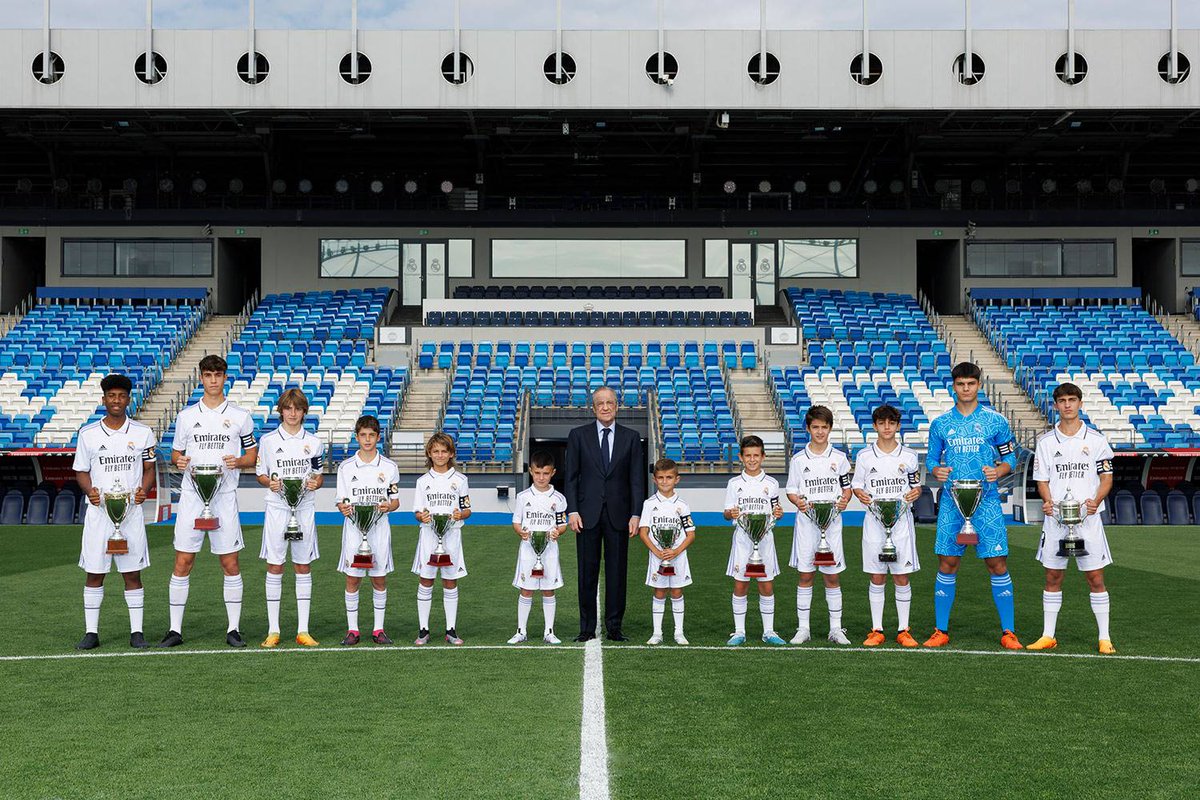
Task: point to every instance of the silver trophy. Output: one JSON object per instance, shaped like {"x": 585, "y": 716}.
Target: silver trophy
{"x": 966, "y": 495}
{"x": 665, "y": 535}
{"x": 823, "y": 513}
{"x": 889, "y": 512}
{"x": 117, "y": 504}
{"x": 538, "y": 541}
{"x": 365, "y": 516}
{"x": 441, "y": 523}
{"x": 293, "y": 491}
{"x": 1069, "y": 513}
{"x": 207, "y": 480}
{"x": 756, "y": 526}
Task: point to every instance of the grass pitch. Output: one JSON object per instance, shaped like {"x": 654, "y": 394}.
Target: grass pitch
{"x": 681, "y": 722}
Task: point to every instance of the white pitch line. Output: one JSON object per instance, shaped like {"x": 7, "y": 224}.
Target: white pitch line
{"x": 914, "y": 652}
{"x": 593, "y": 739}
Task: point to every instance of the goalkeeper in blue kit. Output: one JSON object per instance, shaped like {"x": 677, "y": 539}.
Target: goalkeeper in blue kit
{"x": 969, "y": 442}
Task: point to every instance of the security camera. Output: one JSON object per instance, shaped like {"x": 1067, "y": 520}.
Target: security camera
{"x": 723, "y": 119}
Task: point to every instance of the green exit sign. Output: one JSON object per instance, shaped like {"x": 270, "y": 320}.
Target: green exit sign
{"x": 423, "y": 232}
{"x": 1153, "y": 231}
{"x": 23, "y": 231}
{"x": 937, "y": 231}
{"x": 752, "y": 232}
{"x": 239, "y": 231}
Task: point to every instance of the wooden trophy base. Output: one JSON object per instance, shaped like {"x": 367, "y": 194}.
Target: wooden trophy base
{"x": 756, "y": 570}
{"x": 440, "y": 560}
{"x": 207, "y": 524}
{"x": 117, "y": 547}
{"x": 363, "y": 562}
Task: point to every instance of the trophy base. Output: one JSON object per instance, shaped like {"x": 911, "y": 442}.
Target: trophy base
{"x": 207, "y": 524}
{"x": 1072, "y": 548}
{"x": 887, "y": 558}
{"x": 440, "y": 560}
{"x": 292, "y": 535}
{"x": 117, "y": 547}
{"x": 756, "y": 570}
{"x": 363, "y": 562}
{"x": 669, "y": 571}
{"x": 967, "y": 538}
{"x": 537, "y": 573}
{"x": 824, "y": 560}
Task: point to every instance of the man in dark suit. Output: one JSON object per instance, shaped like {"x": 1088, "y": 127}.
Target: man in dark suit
{"x": 604, "y": 491}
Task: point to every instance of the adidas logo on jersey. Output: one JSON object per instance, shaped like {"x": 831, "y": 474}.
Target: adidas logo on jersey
{"x": 279, "y": 450}
{"x": 873, "y": 471}
{"x": 103, "y": 448}
{"x": 1057, "y": 454}
{"x": 197, "y": 425}
{"x": 354, "y": 479}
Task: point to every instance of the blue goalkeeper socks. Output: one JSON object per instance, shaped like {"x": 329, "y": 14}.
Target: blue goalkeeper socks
{"x": 1002, "y": 594}
{"x": 943, "y": 599}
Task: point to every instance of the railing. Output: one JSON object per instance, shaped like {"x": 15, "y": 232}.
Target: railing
{"x": 653, "y": 427}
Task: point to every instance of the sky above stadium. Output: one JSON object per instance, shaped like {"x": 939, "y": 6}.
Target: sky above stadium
{"x": 594, "y": 14}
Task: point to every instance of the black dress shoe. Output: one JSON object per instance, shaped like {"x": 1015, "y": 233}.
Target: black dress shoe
{"x": 615, "y": 635}
{"x": 585, "y": 637}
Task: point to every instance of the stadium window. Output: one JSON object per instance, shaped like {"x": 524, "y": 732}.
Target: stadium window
{"x": 1190, "y": 258}
{"x": 716, "y": 258}
{"x": 360, "y": 258}
{"x": 462, "y": 259}
{"x": 818, "y": 258}
{"x": 589, "y": 258}
{"x": 1041, "y": 259}
{"x": 137, "y": 258}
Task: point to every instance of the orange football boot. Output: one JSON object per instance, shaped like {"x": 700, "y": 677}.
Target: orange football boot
{"x": 1009, "y": 641}
{"x": 1106, "y": 647}
{"x": 1044, "y": 643}
{"x": 938, "y": 639}
{"x": 874, "y": 639}
{"x": 905, "y": 638}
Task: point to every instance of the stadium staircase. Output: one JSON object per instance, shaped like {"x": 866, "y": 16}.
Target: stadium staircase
{"x": 213, "y": 338}
{"x": 756, "y": 413}
{"x": 968, "y": 343}
{"x": 1185, "y": 328}
{"x": 420, "y": 416}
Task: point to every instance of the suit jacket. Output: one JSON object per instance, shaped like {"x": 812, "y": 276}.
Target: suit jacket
{"x": 589, "y": 488}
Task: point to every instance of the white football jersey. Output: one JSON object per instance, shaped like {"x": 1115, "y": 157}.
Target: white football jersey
{"x": 887, "y": 475}
{"x": 114, "y": 458}
{"x": 280, "y": 453}
{"x": 1072, "y": 462}
{"x": 753, "y": 494}
{"x": 659, "y": 510}
{"x": 540, "y": 511}
{"x": 206, "y": 435}
{"x": 819, "y": 476}
{"x": 441, "y": 493}
{"x": 367, "y": 483}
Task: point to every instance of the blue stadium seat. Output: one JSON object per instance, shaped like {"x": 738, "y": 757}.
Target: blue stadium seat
{"x": 12, "y": 508}
{"x": 1152, "y": 509}
{"x": 64, "y": 509}
{"x": 1177, "y": 508}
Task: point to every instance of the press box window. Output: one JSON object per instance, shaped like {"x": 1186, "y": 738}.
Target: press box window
{"x": 134, "y": 258}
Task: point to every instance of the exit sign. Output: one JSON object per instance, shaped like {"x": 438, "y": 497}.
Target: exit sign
{"x": 239, "y": 231}
{"x": 423, "y": 232}
{"x": 752, "y": 232}
{"x": 23, "y": 231}
{"x": 1153, "y": 231}
{"x": 937, "y": 231}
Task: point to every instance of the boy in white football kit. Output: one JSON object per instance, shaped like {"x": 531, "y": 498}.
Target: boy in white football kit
{"x": 819, "y": 472}
{"x": 1071, "y": 457}
{"x": 114, "y": 454}
{"x": 289, "y": 451}
{"x": 441, "y": 490}
{"x": 752, "y": 492}
{"x": 538, "y": 508}
{"x": 665, "y": 508}
{"x": 213, "y": 431}
{"x": 367, "y": 478}
{"x": 888, "y": 470}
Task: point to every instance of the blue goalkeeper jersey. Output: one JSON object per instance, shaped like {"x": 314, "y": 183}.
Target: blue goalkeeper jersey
{"x": 968, "y": 444}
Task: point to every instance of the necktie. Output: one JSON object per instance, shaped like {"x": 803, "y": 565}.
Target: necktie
{"x": 605, "y": 458}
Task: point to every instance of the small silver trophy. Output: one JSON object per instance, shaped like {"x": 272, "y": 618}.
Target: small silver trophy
{"x": 117, "y": 504}
{"x": 538, "y": 541}
{"x": 664, "y": 535}
{"x": 293, "y": 491}
{"x": 756, "y": 526}
{"x": 207, "y": 479}
{"x": 365, "y": 516}
{"x": 966, "y": 495}
{"x": 888, "y": 512}
{"x": 441, "y": 526}
{"x": 823, "y": 513}
{"x": 1069, "y": 513}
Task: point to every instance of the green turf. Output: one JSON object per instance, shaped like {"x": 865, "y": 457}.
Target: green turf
{"x": 753, "y": 722}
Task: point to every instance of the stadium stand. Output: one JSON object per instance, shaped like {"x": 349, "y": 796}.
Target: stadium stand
{"x": 864, "y": 349}
{"x": 490, "y": 379}
{"x": 53, "y": 360}
{"x": 1141, "y": 387}
{"x": 318, "y": 342}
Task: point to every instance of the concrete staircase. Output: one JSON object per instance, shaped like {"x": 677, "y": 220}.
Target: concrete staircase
{"x": 967, "y": 343}
{"x": 8, "y": 322}
{"x": 751, "y": 402}
{"x": 1185, "y": 328}
{"x": 419, "y": 417}
{"x": 214, "y": 337}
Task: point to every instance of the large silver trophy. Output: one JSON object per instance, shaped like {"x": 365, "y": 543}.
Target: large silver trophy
{"x": 888, "y": 511}
{"x": 117, "y": 504}
{"x": 665, "y": 535}
{"x": 364, "y": 516}
{"x": 441, "y": 526}
{"x": 756, "y": 527}
{"x": 823, "y": 513}
{"x": 1069, "y": 513}
{"x": 207, "y": 479}
{"x": 966, "y": 495}
{"x": 539, "y": 541}
{"x": 293, "y": 491}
